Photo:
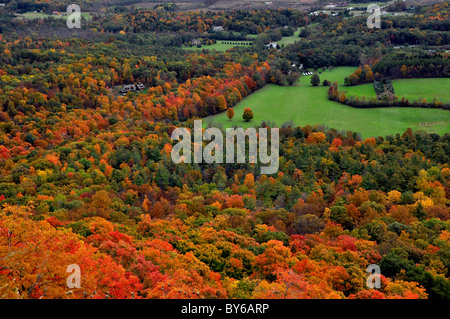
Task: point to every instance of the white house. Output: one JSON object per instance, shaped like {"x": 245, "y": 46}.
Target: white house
{"x": 271, "y": 45}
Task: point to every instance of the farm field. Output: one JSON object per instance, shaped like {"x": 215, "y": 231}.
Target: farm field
{"x": 34, "y": 15}
{"x": 41, "y": 15}
{"x": 304, "y": 104}
{"x": 220, "y": 45}
{"x": 225, "y": 44}
{"x": 411, "y": 89}
{"x": 289, "y": 40}
{"x": 366, "y": 90}
{"x": 418, "y": 89}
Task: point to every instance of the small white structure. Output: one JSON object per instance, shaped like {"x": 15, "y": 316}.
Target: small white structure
{"x": 316, "y": 13}
{"x": 218, "y": 29}
{"x": 271, "y": 45}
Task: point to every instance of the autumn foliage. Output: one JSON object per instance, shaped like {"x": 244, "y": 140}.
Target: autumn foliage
{"x": 86, "y": 175}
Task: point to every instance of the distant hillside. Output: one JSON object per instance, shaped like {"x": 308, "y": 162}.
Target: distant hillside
{"x": 184, "y": 5}
{"x": 187, "y": 5}
{"x": 180, "y": 5}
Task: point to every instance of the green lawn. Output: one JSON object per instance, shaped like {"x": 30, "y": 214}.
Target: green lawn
{"x": 366, "y": 90}
{"x": 304, "y": 104}
{"x": 411, "y": 89}
{"x": 225, "y": 44}
{"x": 418, "y": 89}
{"x": 289, "y": 40}
{"x": 33, "y": 15}
{"x": 41, "y": 15}
{"x": 220, "y": 45}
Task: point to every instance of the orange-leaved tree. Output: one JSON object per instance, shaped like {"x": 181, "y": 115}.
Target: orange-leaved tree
{"x": 34, "y": 259}
{"x": 248, "y": 114}
{"x": 230, "y": 113}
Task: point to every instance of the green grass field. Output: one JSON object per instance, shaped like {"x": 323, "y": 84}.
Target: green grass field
{"x": 41, "y": 15}
{"x": 220, "y": 45}
{"x": 289, "y": 40}
{"x": 304, "y": 104}
{"x": 366, "y": 90}
{"x": 418, "y": 89}
{"x": 411, "y": 89}
{"x": 33, "y": 15}
{"x": 225, "y": 44}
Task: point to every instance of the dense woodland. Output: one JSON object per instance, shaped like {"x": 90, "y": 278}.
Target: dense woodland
{"x": 86, "y": 175}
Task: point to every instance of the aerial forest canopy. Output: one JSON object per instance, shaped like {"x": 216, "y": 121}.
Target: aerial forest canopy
{"x": 86, "y": 175}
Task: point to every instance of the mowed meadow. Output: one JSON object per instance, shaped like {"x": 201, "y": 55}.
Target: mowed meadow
{"x": 224, "y": 45}
{"x": 413, "y": 89}
{"x": 221, "y": 46}
{"x": 304, "y": 104}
